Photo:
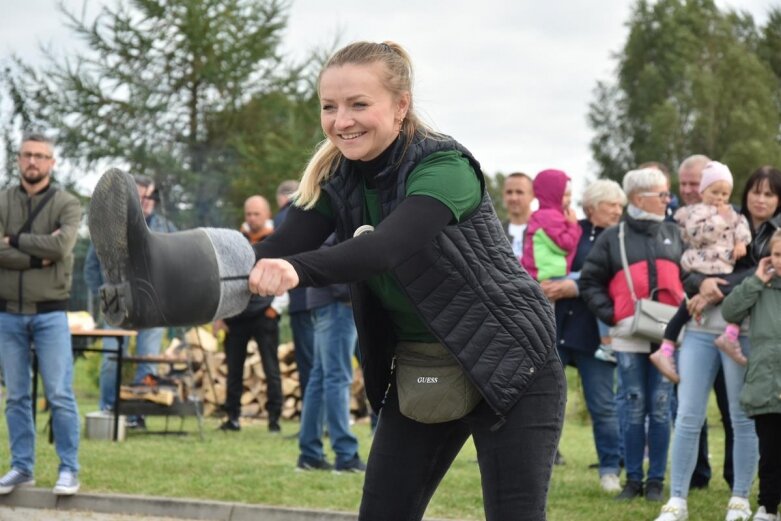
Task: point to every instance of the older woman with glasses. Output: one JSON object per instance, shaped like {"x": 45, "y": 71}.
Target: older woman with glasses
{"x": 578, "y": 335}
{"x": 653, "y": 250}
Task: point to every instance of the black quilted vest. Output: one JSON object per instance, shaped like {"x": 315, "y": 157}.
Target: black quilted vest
{"x": 466, "y": 285}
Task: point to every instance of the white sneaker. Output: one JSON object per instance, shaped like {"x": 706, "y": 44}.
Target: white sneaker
{"x": 762, "y": 515}
{"x": 610, "y": 483}
{"x": 738, "y": 509}
{"x": 674, "y": 510}
{"x": 67, "y": 484}
{"x": 15, "y": 478}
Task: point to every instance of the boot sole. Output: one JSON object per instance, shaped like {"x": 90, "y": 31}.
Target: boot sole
{"x": 108, "y": 230}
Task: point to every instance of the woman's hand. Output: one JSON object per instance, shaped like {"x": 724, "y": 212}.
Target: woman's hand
{"x": 696, "y": 305}
{"x": 709, "y": 290}
{"x": 764, "y": 270}
{"x": 272, "y": 277}
{"x": 558, "y": 289}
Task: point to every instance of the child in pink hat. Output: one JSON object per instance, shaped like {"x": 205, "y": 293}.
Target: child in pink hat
{"x": 716, "y": 236}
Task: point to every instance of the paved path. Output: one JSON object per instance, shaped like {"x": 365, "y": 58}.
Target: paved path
{"x": 36, "y": 514}
{"x": 37, "y": 504}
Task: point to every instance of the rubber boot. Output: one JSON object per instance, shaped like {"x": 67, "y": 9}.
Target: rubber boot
{"x": 163, "y": 279}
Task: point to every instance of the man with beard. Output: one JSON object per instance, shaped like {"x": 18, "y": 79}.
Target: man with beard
{"x": 38, "y": 224}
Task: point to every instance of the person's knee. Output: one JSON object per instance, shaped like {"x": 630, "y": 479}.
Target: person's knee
{"x": 634, "y": 403}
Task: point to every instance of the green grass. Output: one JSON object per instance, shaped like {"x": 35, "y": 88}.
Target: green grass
{"x": 253, "y": 466}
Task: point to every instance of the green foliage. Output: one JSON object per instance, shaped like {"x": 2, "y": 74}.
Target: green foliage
{"x": 691, "y": 79}
{"x": 494, "y": 184}
{"x": 169, "y": 88}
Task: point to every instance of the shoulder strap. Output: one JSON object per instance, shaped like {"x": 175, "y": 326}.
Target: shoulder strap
{"x": 624, "y": 262}
{"x": 33, "y": 214}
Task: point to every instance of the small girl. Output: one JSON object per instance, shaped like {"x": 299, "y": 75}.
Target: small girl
{"x": 552, "y": 236}
{"x": 553, "y": 232}
{"x": 760, "y": 297}
{"x": 717, "y": 236}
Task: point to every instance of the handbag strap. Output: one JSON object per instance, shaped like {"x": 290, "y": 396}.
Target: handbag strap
{"x": 624, "y": 262}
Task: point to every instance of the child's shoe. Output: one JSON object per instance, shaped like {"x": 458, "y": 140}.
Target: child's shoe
{"x": 731, "y": 348}
{"x": 605, "y": 353}
{"x": 665, "y": 363}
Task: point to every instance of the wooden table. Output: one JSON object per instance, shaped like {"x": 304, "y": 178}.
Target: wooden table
{"x": 77, "y": 332}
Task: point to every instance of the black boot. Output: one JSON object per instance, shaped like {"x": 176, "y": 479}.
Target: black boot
{"x": 632, "y": 489}
{"x": 163, "y": 279}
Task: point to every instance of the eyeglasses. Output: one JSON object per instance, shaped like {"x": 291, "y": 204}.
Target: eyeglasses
{"x": 660, "y": 195}
{"x": 37, "y": 156}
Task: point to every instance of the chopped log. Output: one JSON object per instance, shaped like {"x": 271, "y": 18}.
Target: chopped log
{"x": 199, "y": 336}
{"x": 251, "y": 409}
{"x": 156, "y": 395}
{"x": 289, "y": 386}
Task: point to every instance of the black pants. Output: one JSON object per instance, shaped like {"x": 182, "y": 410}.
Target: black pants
{"x": 265, "y": 331}
{"x": 768, "y": 428}
{"x": 408, "y": 459}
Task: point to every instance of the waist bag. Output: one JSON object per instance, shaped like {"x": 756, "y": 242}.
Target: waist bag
{"x": 432, "y": 387}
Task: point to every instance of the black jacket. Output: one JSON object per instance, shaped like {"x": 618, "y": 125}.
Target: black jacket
{"x": 467, "y": 286}
{"x": 576, "y": 326}
{"x": 653, "y": 249}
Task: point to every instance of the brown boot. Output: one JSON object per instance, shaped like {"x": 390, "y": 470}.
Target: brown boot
{"x": 666, "y": 365}
{"x": 731, "y": 348}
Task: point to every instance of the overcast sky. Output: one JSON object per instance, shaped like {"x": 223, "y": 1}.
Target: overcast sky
{"x": 510, "y": 80}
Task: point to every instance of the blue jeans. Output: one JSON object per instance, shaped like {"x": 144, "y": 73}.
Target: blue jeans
{"x": 598, "y": 380}
{"x": 698, "y": 363}
{"x": 304, "y": 339}
{"x": 644, "y": 397}
{"x": 51, "y": 337}
{"x": 147, "y": 343}
{"x": 328, "y": 391}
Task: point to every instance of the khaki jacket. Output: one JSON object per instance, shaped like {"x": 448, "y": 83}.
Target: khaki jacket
{"x": 26, "y": 286}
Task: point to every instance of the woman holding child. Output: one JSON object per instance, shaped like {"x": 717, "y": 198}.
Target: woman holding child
{"x": 699, "y": 360}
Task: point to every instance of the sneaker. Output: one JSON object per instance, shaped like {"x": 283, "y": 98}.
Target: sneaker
{"x": 230, "y": 425}
{"x": 273, "y": 427}
{"x": 67, "y": 484}
{"x": 731, "y": 348}
{"x": 654, "y": 491}
{"x": 354, "y": 464}
{"x": 674, "y": 510}
{"x": 15, "y": 478}
{"x": 136, "y": 422}
{"x": 631, "y": 490}
{"x": 610, "y": 483}
{"x": 738, "y": 509}
{"x": 605, "y": 353}
{"x": 762, "y": 515}
{"x": 666, "y": 365}
{"x": 305, "y": 463}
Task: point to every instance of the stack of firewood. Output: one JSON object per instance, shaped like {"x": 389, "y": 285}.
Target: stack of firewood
{"x": 210, "y": 376}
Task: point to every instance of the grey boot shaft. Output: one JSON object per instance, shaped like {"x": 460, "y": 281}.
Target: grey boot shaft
{"x": 163, "y": 279}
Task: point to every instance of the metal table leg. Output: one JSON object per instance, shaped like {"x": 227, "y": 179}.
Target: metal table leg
{"x": 120, "y": 346}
